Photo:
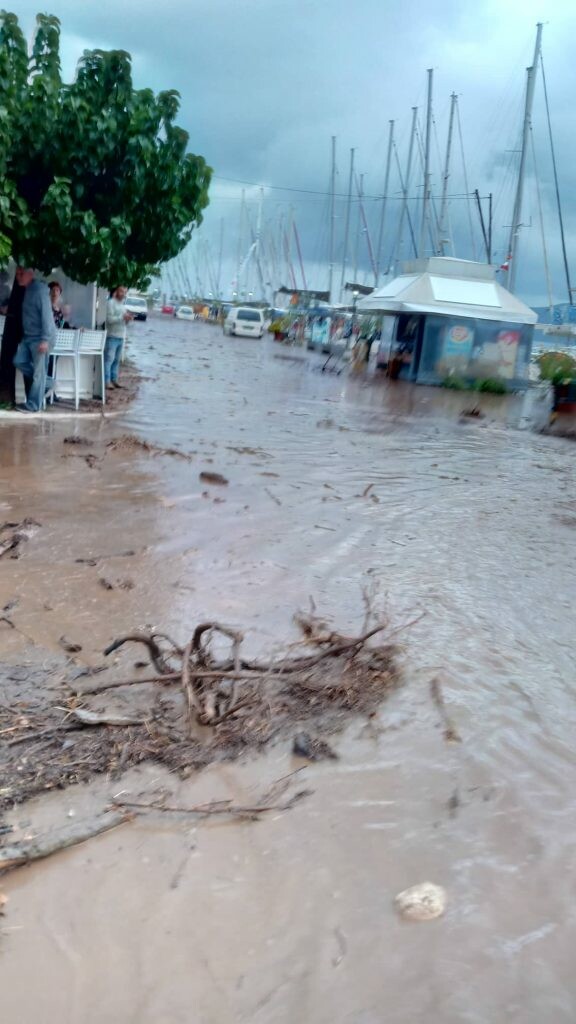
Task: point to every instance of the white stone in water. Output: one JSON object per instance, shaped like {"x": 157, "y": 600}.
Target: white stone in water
{"x": 421, "y": 902}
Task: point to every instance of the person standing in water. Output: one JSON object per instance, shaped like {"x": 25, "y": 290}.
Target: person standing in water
{"x": 117, "y": 316}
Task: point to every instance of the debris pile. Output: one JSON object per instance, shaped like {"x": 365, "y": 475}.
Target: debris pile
{"x": 201, "y": 704}
{"x": 131, "y": 443}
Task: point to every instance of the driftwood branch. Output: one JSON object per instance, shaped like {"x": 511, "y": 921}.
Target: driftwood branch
{"x": 86, "y": 717}
{"x": 166, "y": 677}
{"x": 14, "y": 856}
{"x": 202, "y": 677}
{"x": 151, "y": 642}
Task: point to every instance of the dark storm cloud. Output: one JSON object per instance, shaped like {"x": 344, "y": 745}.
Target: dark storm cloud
{"x": 265, "y": 83}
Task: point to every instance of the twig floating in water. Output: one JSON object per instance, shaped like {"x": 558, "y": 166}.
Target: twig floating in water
{"x": 217, "y": 806}
{"x": 273, "y": 496}
{"x": 213, "y": 478}
{"x": 451, "y": 734}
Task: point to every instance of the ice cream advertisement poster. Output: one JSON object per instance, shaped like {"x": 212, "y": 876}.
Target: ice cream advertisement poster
{"x": 458, "y": 341}
{"x": 507, "y": 342}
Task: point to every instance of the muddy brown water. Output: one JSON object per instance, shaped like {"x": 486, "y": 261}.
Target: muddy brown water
{"x": 291, "y": 918}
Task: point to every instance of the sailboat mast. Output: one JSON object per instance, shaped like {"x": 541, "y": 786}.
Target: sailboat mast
{"x": 557, "y": 187}
{"x": 485, "y": 234}
{"x": 239, "y": 249}
{"x": 300, "y": 260}
{"x": 406, "y": 185}
{"x": 517, "y": 215}
{"x": 426, "y": 201}
{"x": 332, "y": 218}
{"x": 287, "y": 246}
{"x": 490, "y": 228}
{"x": 384, "y": 202}
{"x": 360, "y": 189}
{"x": 347, "y": 223}
{"x": 259, "y": 244}
{"x": 368, "y": 239}
{"x": 220, "y": 252}
{"x": 444, "y": 204}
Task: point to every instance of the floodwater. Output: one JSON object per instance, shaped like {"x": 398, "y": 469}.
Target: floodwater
{"x": 334, "y": 483}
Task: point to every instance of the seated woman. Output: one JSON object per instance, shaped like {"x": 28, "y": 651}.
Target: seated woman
{"x": 55, "y": 289}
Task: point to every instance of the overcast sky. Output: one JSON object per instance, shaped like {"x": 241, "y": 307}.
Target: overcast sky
{"x": 266, "y": 83}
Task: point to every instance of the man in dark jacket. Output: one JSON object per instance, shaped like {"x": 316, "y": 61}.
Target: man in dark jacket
{"x": 10, "y": 340}
{"x": 38, "y": 337}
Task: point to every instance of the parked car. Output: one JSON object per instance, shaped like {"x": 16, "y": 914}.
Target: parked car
{"x": 137, "y": 306}
{"x": 169, "y": 310}
{"x": 245, "y": 322}
{"x": 185, "y": 313}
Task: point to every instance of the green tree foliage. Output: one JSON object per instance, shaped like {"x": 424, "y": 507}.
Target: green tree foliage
{"x": 94, "y": 175}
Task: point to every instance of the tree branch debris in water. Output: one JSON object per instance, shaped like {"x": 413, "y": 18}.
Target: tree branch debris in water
{"x": 200, "y": 706}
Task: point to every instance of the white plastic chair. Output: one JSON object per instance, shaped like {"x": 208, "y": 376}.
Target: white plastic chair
{"x": 66, "y": 344}
{"x": 92, "y": 343}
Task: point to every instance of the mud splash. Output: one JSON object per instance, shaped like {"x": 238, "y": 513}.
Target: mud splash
{"x": 331, "y": 481}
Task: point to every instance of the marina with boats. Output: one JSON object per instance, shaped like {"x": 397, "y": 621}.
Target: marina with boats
{"x": 417, "y": 261}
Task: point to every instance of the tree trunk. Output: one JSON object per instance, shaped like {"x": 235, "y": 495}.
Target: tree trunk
{"x": 11, "y": 339}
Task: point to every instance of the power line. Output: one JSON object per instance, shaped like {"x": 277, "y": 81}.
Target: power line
{"x": 320, "y": 192}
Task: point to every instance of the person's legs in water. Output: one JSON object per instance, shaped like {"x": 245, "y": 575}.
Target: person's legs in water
{"x": 111, "y": 359}
{"x": 32, "y": 365}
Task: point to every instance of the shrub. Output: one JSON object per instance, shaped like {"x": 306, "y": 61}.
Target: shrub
{"x": 556, "y": 366}
{"x": 491, "y": 386}
{"x": 455, "y": 383}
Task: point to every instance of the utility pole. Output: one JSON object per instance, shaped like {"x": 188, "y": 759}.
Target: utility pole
{"x": 332, "y": 218}
{"x": 384, "y": 201}
{"x": 517, "y": 215}
{"x": 426, "y": 199}
{"x": 347, "y": 223}
{"x": 443, "y": 227}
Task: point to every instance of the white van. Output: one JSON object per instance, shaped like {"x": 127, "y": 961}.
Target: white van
{"x": 245, "y": 321}
{"x": 137, "y": 305}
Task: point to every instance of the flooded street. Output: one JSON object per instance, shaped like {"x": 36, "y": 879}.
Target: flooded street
{"x": 334, "y": 484}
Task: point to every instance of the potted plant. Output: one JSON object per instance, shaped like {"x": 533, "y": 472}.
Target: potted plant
{"x": 559, "y": 368}
{"x": 564, "y": 393}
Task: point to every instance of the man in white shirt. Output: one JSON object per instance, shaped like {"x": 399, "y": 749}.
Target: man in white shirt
{"x": 117, "y": 316}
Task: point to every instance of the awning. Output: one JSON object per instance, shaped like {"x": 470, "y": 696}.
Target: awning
{"x": 449, "y": 287}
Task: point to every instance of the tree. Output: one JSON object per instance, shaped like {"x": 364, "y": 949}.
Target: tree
{"x": 94, "y": 175}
